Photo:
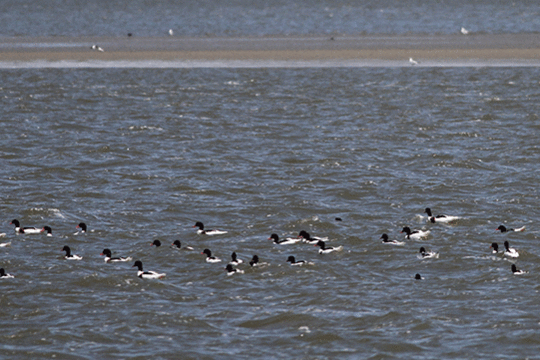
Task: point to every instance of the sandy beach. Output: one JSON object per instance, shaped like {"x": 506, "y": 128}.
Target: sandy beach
{"x": 445, "y": 48}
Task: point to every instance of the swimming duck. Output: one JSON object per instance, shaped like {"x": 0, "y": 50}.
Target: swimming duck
{"x": 510, "y": 252}
{"x": 176, "y": 244}
{"x": 254, "y": 261}
{"x": 326, "y": 250}
{"x": 69, "y": 255}
{"x": 209, "y": 257}
{"x": 231, "y": 270}
{"x": 48, "y": 230}
{"x": 503, "y": 229}
{"x": 156, "y": 242}
{"x": 515, "y": 271}
{"x": 24, "y": 230}
{"x": 386, "y": 240}
{"x": 307, "y": 238}
{"x": 416, "y": 234}
{"x": 109, "y": 258}
{"x": 82, "y": 226}
{"x": 201, "y": 230}
{"x": 440, "y": 218}
{"x": 147, "y": 274}
{"x": 427, "y": 254}
{"x": 495, "y": 248}
{"x": 293, "y": 261}
{"x": 287, "y": 241}
{"x": 4, "y": 275}
{"x": 235, "y": 260}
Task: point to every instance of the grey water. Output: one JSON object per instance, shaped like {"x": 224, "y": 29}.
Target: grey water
{"x": 143, "y": 153}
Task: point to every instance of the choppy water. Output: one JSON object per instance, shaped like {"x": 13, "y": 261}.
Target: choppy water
{"x": 142, "y": 154}
{"x": 258, "y": 18}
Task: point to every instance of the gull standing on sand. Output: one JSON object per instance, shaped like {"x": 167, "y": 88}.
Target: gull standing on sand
{"x": 464, "y": 31}
{"x": 98, "y": 48}
{"x": 413, "y": 62}
{"x": 171, "y": 33}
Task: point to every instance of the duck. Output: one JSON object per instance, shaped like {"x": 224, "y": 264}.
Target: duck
{"x": 427, "y": 254}
{"x": 5, "y": 244}
{"x": 201, "y": 230}
{"x": 26, "y": 229}
{"x": 156, "y": 242}
{"x": 177, "y": 244}
{"x": 416, "y": 234}
{"x": 326, "y": 250}
{"x": 209, "y": 257}
{"x": 293, "y": 261}
{"x": 2, "y": 234}
{"x": 418, "y": 277}
{"x": 109, "y": 258}
{"x": 69, "y": 255}
{"x": 495, "y": 248}
{"x": 510, "y": 252}
{"x": 231, "y": 270}
{"x": 503, "y": 229}
{"x": 235, "y": 260}
{"x": 287, "y": 241}
{"x": 386, "y": 240}
{"x": 254, "y": 261}
{"x": 440, "y": 218}
{"x": 48, "y": 230}
{"x": 4, "y": 275}
{"x": 82, "y": 226}
{"x": 147, "y": 274}
{"x": 515, "y": 270}
{"x": 307, "y": 238}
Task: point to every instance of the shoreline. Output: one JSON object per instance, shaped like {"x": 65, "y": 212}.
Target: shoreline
{"x": 445, "y": 49}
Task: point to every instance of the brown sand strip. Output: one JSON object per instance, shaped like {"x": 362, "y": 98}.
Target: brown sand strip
{"x": 444, "y": 47}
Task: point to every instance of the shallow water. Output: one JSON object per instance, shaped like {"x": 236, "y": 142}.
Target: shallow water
{"x": 141, "y": 154}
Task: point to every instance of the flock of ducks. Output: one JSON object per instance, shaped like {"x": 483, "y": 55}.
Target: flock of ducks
{"x": 231, "y": 268}
{"x": 424, "y": 254}
{"x": 303, "y": 236}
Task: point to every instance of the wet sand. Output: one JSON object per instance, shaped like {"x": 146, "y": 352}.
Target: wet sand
{"x": 480, "y": 47}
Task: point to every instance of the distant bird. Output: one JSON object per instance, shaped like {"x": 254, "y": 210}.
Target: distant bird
{"x": 464, "y": 31}
{"x": 178, "y": 245}
{"x": 427, "y": 254}
{"x": 97, "y": 48}
{"x": 416, "y": 234}
{"x": 386, "y": 240}
{"x": 440, "y": 218}
{"x": 413, "y": 62}
{"x": 209, "y": 257}
{"x": 235, "y": 260}
{"x": 156, "y": 242}
{"x": 82, "y": 226}
{"x": 5, "y": 244}
{"x": 109, "y": 258}
{"x": 287, "y": 241}
{"x": 503, "y": 229}
{"x": 232, "y": 271}
{"x": 515, "y": 270}
{"x": 4, "y": 275}
{"x": 293, "y": 261}
{"x": 307, "y": 238}
{"x": 254, "y": 261}
{"x": 146, "y": 274}
{"x": 48, "y": 230}
{"x": 495, "y": 248}
{"x": 510, "y": 252}
{"x": 26, "y": 229}
{"x": 418, "y": 277}
{"x": 69, "y": 255}
{"x": 326, "y": 250}
{"x": 171, "y": 32}
{"x": 201, "y": 230}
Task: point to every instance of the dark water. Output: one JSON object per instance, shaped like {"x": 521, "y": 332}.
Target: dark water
{"x": 258, "y": 18}
{"x": 142, "y": 154}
